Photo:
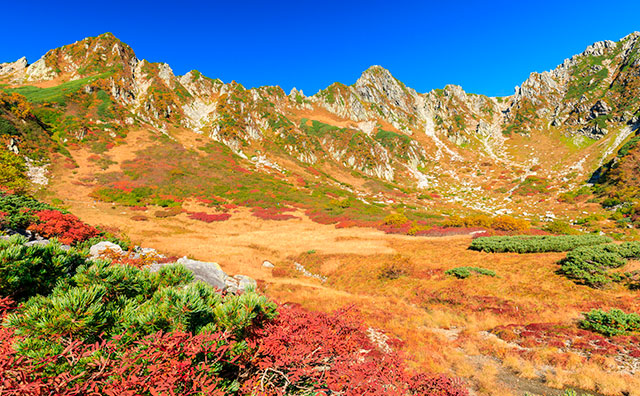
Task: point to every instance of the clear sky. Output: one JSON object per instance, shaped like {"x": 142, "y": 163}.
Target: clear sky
{"x": 486, "y": 47}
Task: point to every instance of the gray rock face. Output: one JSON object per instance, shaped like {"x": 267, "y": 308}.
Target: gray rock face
{"x": 99, "y": 248}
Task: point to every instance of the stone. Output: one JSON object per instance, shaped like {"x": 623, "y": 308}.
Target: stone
{"x": 209, "y": 273}
{"x": 99, "y": 248}
{"x": 239, "y": 284}
{"x": 38, "y": 242}
{"x": 267, "y": 264}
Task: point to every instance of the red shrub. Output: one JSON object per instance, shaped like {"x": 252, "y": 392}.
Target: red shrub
{"x": 66, "y": 227}
{"x": 273, "y": 213}
{"x": 331, "y": 353}
{"x": 173, "y": 363}
{"x": 209, "y": 218}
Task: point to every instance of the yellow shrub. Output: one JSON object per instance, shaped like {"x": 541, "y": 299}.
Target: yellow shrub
{"x": 508, "y": 223}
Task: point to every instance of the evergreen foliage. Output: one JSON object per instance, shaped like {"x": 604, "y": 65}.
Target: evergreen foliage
{"x": 535, "y": 244}
{"x": 591, "y": 265}
{"x": 465, "y": 272}
{"x": 612, "y": 323}
{"x": 26, "y": 271}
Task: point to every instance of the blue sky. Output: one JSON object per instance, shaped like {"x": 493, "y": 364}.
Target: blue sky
{"x": 486, "y": 47}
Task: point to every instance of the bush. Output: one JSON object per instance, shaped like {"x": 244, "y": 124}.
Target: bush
{"x": 103, "y": 300}
{"x": 590, "y": 265}
{"x": 508, "y": 223}
{"x": 560, "y": 227}
{"x": 502, "y": 223}
{"x": 12, "y": 171}
{"x": 396, "y": 219}
{"x": 535, "y": 244}
{"x": 26, "y": 271}
{"x": 209, "y": 218}
{"x": 465, "y": 272}
{"x": 66, "y": 227}
{"x": 20, "y": 210}
{"x": 612, "y": 323}
{"x": 297, "y": 343}
{"x": 169, "y": 212}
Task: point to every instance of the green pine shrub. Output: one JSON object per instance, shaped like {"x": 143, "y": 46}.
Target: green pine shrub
{"x": 465, "y": 272}
{"x": 102, "y": 301}
{"x": 591, "y": 265}
{"x": 19, "y": 210}
{"x": 612, "y": 323}
{"x": 536, "y": 244}
{"x": 26, "y": 271}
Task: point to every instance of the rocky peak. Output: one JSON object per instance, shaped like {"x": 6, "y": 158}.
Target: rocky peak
{"x": 11, "y": 67}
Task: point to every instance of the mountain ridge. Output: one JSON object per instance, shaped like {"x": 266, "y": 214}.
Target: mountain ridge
{"x": 582, "y": 111}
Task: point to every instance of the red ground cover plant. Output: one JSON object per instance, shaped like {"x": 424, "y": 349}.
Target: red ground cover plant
{"x": 273, "y": 213}
{"x": 209, "y": 218}
{"x": 331, "y": 353}
{"x": 66, "y": 227}
{"x": 570, "y": 338}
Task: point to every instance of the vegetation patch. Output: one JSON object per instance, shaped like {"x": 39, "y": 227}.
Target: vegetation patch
{"x": 535, "y": 243}
{"x": 465, "y": 272}
{"x": 592, "y": 265}
{"x": 612, "y": 323}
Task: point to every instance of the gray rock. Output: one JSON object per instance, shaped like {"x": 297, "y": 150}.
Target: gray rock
{"x": 38, "y": 242}
{"x": 210, "y": 273}
{"x": 267, "y": 264}
{"x": 239, "y": 284}
{"x": 99, "y": 248}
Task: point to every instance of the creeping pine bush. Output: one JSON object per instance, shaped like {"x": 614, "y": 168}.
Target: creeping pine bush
{"x": 26, "y": 271}
{"x": 19, "y": 210}
{"x": 465, "y": 272}
{"x": 103, "y": 300}
{"x": 536, "y": 244}
{"x": 612, "y": 323}
{"x": 591, "y": 265}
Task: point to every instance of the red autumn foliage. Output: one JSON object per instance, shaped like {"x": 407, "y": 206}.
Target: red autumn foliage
{"x": 331, "y": 353}
{"x": 273, "y": 213}
{"x": 66, "y": 227}
{"x": 209, "y": 218}
{"x": 172, "y": 363}
{"x": 570, "y": 338}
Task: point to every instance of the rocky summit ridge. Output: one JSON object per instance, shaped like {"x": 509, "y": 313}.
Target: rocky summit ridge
{"x": 378, "y": 127}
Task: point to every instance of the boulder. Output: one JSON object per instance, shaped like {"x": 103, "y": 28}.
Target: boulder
{"x": 210, "y": 273}
{"x": 239, "y": 284}
{"x": 267, "y": 264}
{"x": 38, "y": 242}
{"x": 99, "y": 248}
